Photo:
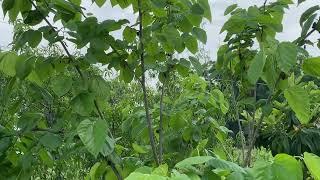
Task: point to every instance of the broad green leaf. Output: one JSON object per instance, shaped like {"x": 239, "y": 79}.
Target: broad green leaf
{"x": 191, "y": 43}
{"x": 262, "y": 170}
{"x": 33, "y": 38}
{"x": 100, "y": 3}
{"x": 93, "y": 134}
{"x": 299, "y": 101}
{"x": 141, "y": 176}
{"x": 286, "y": 167}
{"x": 306, "y": 26}
{"x": 218, "y": 97}
{"x": 46, "y": 157}
{"x": 139, "y": 149}
{"x": 126, "y": 74}
{"x": 186, "y": 163}
{"x": 83, "y": 104}
{"x": 311, "y": 66}
{"x": 129, "y": 34}
{"x": 308, "y": 13}
{"x": 108, "y": 147}
{"x": 7, "y": 5}
{"x": 162, "y": 170}
{"x": 196, "y": 65}
{"x": 97, "y": 170}
{"x": 33, "y": 17}
{"x": 256, "y": 67}
{"x": 51, "y": 141}
{"x": 313, "y": 163}
{"x": 61, "y": 85}
{"x": 28, "y": 121}
{"x": 197, "y": 9}
{"x": 286, "y": 56}
{"x": 200, "y": 34}
{"x": 8, "y": 63}
{"x": 24, "y": 66}
{"x": 206, "y": 7}
{"x": 230, "y": 9}
{"x": 225, "y": 165}
{"x": 99, "y": 86}
{"x": 185, "y": 25}
{"x": 194, "y": 19}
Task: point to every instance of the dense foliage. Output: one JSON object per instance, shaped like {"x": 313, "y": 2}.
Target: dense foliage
{"x": 91, "y": 105}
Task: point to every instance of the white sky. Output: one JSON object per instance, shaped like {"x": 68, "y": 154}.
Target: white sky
{"x": 291, "y": 21}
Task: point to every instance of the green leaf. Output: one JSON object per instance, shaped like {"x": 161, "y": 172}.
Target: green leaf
{"x": 93, "y": 134}
{"x": 99, "y": 86}
{"x": 225, "y": 165}
{"x": 129, "y": 34}
{"x": 33, "y": 17}
{"x": 8, "y": 63}
{"x": 51, "y": 141}
{"x": 200, "y": 34}
{"x": 100, "y": 3}
{"x": 7, "y": 5}
{"x": 46, "y": 157}
{"x": 262, "y": 170}
{"x": 308, "y": 13}
{"x": 311, "y": 66}
{"x": 286, "y": 56}
{"x": 230, "y": 9}
{"x": 126, "y": 74}
{"x": 191, "y": 43}
{"x": 61, "y": 85}
{"x": 187, "y": 163}
{"x": 185, "y": 25}
{"x": 83, "y": 104}
{"x": 19, "y": 6}
{"x": 139, "y": 149}
{"x": 141, "y": 176}
{"x": 24, "y": 66}
{"x": 162, "y": 170}
{"x": 33, "y": 38}
{"x": 299, "y": 101}
{"x": 256, "y": 67}
{"x": 313, "y": 163}
{"x": 306, "y": 26}
{"x": 218, "y": 97}
{"x": 197, "y": 9}
{"x": 196, "y": 65}
{"x": 207, "y": 11}
{"x": 286, "y": 167}
{"x": 301, "y": 1}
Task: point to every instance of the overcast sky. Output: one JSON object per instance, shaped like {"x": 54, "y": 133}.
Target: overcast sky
{"x": 291, "y": 21}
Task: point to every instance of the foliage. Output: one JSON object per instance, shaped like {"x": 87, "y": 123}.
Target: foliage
{"x": 61, "y": 117}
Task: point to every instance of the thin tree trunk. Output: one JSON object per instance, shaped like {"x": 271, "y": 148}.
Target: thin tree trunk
{"x": 143, "y": 84}
{"x": 238, "y": 120}
{"x": 161, "y": 126}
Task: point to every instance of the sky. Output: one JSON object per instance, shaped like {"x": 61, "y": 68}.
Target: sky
{"x": 291, "y": 21}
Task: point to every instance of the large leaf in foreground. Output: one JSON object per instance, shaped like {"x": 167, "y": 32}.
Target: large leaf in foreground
{"x": 311, "y": 66}
{"x": 313, "y": 164}
{"x": 299, "y": 101}
{"x": 94, "y": 135}
{"x": 286, "y": 167}
{"x": 286, "y": 56}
